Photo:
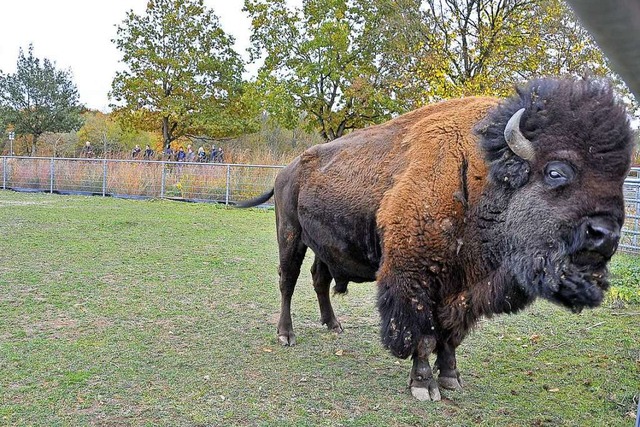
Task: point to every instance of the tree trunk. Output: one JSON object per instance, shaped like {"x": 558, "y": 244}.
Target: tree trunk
{"x": 34, "y": 141}
{"x": 166, "y": 137}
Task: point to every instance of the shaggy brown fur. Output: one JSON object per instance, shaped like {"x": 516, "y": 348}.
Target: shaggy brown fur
{"x": 421, "y": 218}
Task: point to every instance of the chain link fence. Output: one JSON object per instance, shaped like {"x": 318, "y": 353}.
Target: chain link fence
{"x": 138, "y": 179}
{"x": 630, "y": 240}
{"x": 197, "y": 182}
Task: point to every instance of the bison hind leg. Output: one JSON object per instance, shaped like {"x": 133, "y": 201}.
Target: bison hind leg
{"x": 340, "y": 287}
{"x": 321, "y": 282}
{"x": 292, "y": 252}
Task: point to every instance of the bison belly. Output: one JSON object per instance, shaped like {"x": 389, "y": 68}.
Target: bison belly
{"x": 341, "y": 189}
{"x": 348, "y": 245}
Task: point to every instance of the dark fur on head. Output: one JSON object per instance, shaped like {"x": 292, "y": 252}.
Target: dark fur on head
{"x": 559, "y": 112}
{"x": 539, "y": 234}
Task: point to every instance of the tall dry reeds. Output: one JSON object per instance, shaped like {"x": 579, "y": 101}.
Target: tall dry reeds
{"x": 195, "y": 181}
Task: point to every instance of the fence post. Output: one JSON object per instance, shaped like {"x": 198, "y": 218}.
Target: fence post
{"x": 636, "y": 227}
{"x": 4, "y": 173}
{"x": 226, "y": 196}
{"x": 164, "y": 178}
{"x": 52, "y": 169}
{"x": 104, "y": 177}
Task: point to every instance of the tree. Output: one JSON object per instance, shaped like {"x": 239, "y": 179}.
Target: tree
{"x": 343, "y": 64}
{"x": 38, "y": 98}
{"x": 472, "y": 47}
{"x": 322, "y": 61}
{"x": 108, "y": 135}
{"x": 183, "y": 76}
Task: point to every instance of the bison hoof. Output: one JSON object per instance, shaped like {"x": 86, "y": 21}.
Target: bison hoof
{"x": 426, "y": 391}
{"x": 450, "y": 383}
{"x": 288, "y": 339}
{"x": 335, "y": 327}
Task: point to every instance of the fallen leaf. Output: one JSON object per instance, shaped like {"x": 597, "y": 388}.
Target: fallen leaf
{"x": 534, "y": 338}
{"x": 339, "y": 352}
{"x": 267, "y": 350}
{"x": 554, "y": 390}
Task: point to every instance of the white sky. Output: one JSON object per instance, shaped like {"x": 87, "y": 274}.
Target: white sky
{"x": 77, "y": 34}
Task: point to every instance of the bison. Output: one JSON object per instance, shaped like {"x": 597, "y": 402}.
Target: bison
{"x": 461, "y": 209}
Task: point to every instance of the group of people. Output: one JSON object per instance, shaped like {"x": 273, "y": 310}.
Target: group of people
{"x": 148, "y": 152}
{"x": 216, "y": 155}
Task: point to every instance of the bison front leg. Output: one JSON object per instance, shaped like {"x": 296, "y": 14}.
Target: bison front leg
{"x": 448, "y": 377}
{"x": 407, "y": 327}
{"x": 423, "y": 385}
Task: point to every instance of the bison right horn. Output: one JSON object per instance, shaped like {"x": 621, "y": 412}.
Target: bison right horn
{"x": 520, "y": 145}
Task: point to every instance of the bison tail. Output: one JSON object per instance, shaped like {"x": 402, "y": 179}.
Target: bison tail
{"x": 257, "y": 201}
{"x": 405, "y": 318}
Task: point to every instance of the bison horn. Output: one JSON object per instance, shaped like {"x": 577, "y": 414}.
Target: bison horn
{"x": 520, "y": 145}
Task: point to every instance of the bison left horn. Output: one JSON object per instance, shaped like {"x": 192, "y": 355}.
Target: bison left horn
{"x": 520, "y": 145}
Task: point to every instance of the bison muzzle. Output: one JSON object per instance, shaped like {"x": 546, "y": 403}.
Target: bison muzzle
{"x": 462, "y": 209}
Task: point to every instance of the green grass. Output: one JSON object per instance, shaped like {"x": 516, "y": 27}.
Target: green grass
{"x": 625, "y": 280}
{"x": 116, "y": 312}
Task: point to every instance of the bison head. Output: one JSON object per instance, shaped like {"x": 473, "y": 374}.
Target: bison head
{"x": 559, "y": 152}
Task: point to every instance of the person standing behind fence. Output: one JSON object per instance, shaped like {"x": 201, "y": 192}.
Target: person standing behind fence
{"x": 136, "y": 150}
{"x": 220, "y": 157}
{"x": 214, "y": 153}
{"x": 168, "y": 153}
{"x": 181, "y": 155}
{"x": 202, "y": 156}
{"x": 148, "y": 153}
{"x": 191, "y": 156}
{"x": 87, "y": 151}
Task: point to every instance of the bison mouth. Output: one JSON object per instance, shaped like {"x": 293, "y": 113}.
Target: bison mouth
{"x": 580, "y": 287}
{"x": 583, "y": 276}
{"x": 589, "y": 260}
{"x": 580, "y": 282}
{"x": 573, "y": 280}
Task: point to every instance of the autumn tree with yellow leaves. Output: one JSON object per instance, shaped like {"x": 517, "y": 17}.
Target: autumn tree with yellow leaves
{"x": 344, "y": 64}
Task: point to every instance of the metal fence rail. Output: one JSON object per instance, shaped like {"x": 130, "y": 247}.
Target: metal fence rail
{"x": 199, "y": 182}
{"x": 630, "y": 240}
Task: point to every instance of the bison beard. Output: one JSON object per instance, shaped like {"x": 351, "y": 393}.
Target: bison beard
{"x": 462, "y": 209}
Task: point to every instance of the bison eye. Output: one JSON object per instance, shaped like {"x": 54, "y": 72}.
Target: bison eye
{"x": 558, "y": 174}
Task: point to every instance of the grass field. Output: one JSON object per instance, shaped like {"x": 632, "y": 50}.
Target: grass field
{"x": 116, "y": 312}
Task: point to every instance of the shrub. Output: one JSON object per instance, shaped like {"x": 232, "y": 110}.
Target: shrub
{"x": 625, "y": 279}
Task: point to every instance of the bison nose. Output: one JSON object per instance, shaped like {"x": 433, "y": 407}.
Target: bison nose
{"x": 601, "y": 235}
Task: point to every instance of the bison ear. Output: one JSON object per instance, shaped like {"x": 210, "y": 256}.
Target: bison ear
{"x": 510, "y": 171}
